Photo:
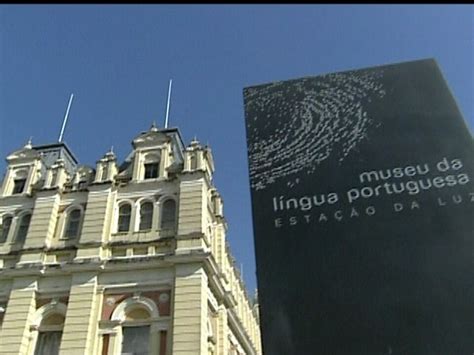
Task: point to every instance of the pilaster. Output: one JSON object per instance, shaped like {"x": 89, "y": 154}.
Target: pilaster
{"x": 192, "y": 206}
{"x": 222, "y": 331}
{"x": 43, "y": 220}
{"x": 14, "y": 335}
{"x": 190, "y": 311}
{"x": 79, "y": 334}
{"x": 97, "y": 217}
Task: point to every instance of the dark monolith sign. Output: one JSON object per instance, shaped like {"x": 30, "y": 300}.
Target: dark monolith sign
{"x": 363, "y": 213}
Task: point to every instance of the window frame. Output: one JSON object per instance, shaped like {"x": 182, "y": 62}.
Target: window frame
{"x": 155, "y": 321}
{"x": 42, "y": 314}
{"x": 136, "y": 324}
{"x": 54, "y": 178}
{"x": 104, "y": 172}
{"x": 130, "y": 224}
{"x": 151, "y": 213}
{"x": 5, "y": 217}
{"x": 153, "y": 160}
{"x": 162, "y": 212}
{"x": 67, "y": 222}
{"x": 15, "y": 181}
{"x": 19, "y": 225}
{"x": 156, "y": 171}
{"x": 82, "y": 184}
{"x": 193, "y": 165}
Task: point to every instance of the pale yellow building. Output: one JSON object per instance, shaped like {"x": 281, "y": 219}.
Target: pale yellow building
{"x": 120, "y": 259}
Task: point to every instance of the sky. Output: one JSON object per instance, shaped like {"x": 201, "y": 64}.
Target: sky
{"x": 117, "y": 60}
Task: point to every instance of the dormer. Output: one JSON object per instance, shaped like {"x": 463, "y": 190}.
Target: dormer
{"x": 23, "y": 171}
{"x": 152, "y": 155}
{"x": 106, "y": 167}
{"x": 83, "y": 177}
{"x": 198, "y": 158}
{"x": 56, "y": 175}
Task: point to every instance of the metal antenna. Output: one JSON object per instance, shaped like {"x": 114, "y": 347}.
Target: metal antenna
{"x": 65, "y": 118}
{"x": 168, "y": 104}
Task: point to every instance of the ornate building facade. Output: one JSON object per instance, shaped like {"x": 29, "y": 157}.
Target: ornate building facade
{"x": 120, "y": 259}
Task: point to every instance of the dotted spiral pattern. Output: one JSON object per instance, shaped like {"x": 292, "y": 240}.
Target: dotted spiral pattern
{"x": 307, "y": 121}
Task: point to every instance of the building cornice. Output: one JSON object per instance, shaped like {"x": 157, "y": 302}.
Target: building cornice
{"x": 240, "y": 332}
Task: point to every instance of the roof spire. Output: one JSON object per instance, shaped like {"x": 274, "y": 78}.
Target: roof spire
{"x": 153, "y": 127}
{"x": 28, "y": 144}
{"x": 194, "y": 142}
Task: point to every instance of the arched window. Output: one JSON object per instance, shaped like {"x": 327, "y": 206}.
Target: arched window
{"x": 82, "y": 184}
{"x": 49, "y": 323}
{"x": 54, "y": 177}
{"x": 146, "y": 215}
{"x": 136, "y": 337}
{"x": 49, "y": 335}
{"x": 23, "y": 226}
{"x": 73, "y": 223}
{"x": 168, "y": 214}
{"x": 193, "y": 162}
{"x": 7, "y": 223}
{"x": 136, "y": 315}
{"x": 105, "y": 172}
{"x": 125, "y": 212}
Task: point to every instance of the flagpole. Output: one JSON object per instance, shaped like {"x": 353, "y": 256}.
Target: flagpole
{"x": 168, "y": 104}
{"x": 65, "y": 119}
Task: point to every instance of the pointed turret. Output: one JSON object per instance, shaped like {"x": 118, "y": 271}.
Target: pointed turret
{"x": 106, "y": 168}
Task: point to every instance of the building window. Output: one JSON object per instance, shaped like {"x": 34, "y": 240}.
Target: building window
{"x": 18, "y": 186}
{"x": 105, "y": 172}
{"x": 125, "y": 212}
{"x": 72, "y": 224}
{"x": 140, "y": 325}
{"x": 151, "y": 170}
{"x": 135, "y": 340}
{"x": 136, "y": 330}
{"x": 49, "y": 335}
{"x": 193, "y": 162}
{"x": 146, "y": 215}
{"x": 48, "y": 343}
{"x": 54, "y": 177}
{"x": 3, "y": 307}
{"x": 152, "y": 165}
{"x": 168, "y": 215}
{"x": 81, "y": 185}
{"x": 7, "y": 223}
{"x": 23, "y": 226}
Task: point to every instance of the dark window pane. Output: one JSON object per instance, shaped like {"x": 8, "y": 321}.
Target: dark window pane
{"x": 54, "y": 177}
{"x": 193, "y": 162}
{"x": 19, "y": 185}
{"x": 124, "y": 218}
{"x": 82, "y": 185}
{"x": 105, "y": 172}
{"x": 48, "y": 343}
{"x": 72, "y": 226}
{"x": 7, "y": 222}
{"x": 23, "y": 228}
{"x": 151, "y": 170}
{"x": 146, "y": 215}
{"x": 135, "y": 340}
{"x": 168, "y": 215}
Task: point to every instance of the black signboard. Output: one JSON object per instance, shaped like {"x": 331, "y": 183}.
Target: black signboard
{"x": 363, "y": 212}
